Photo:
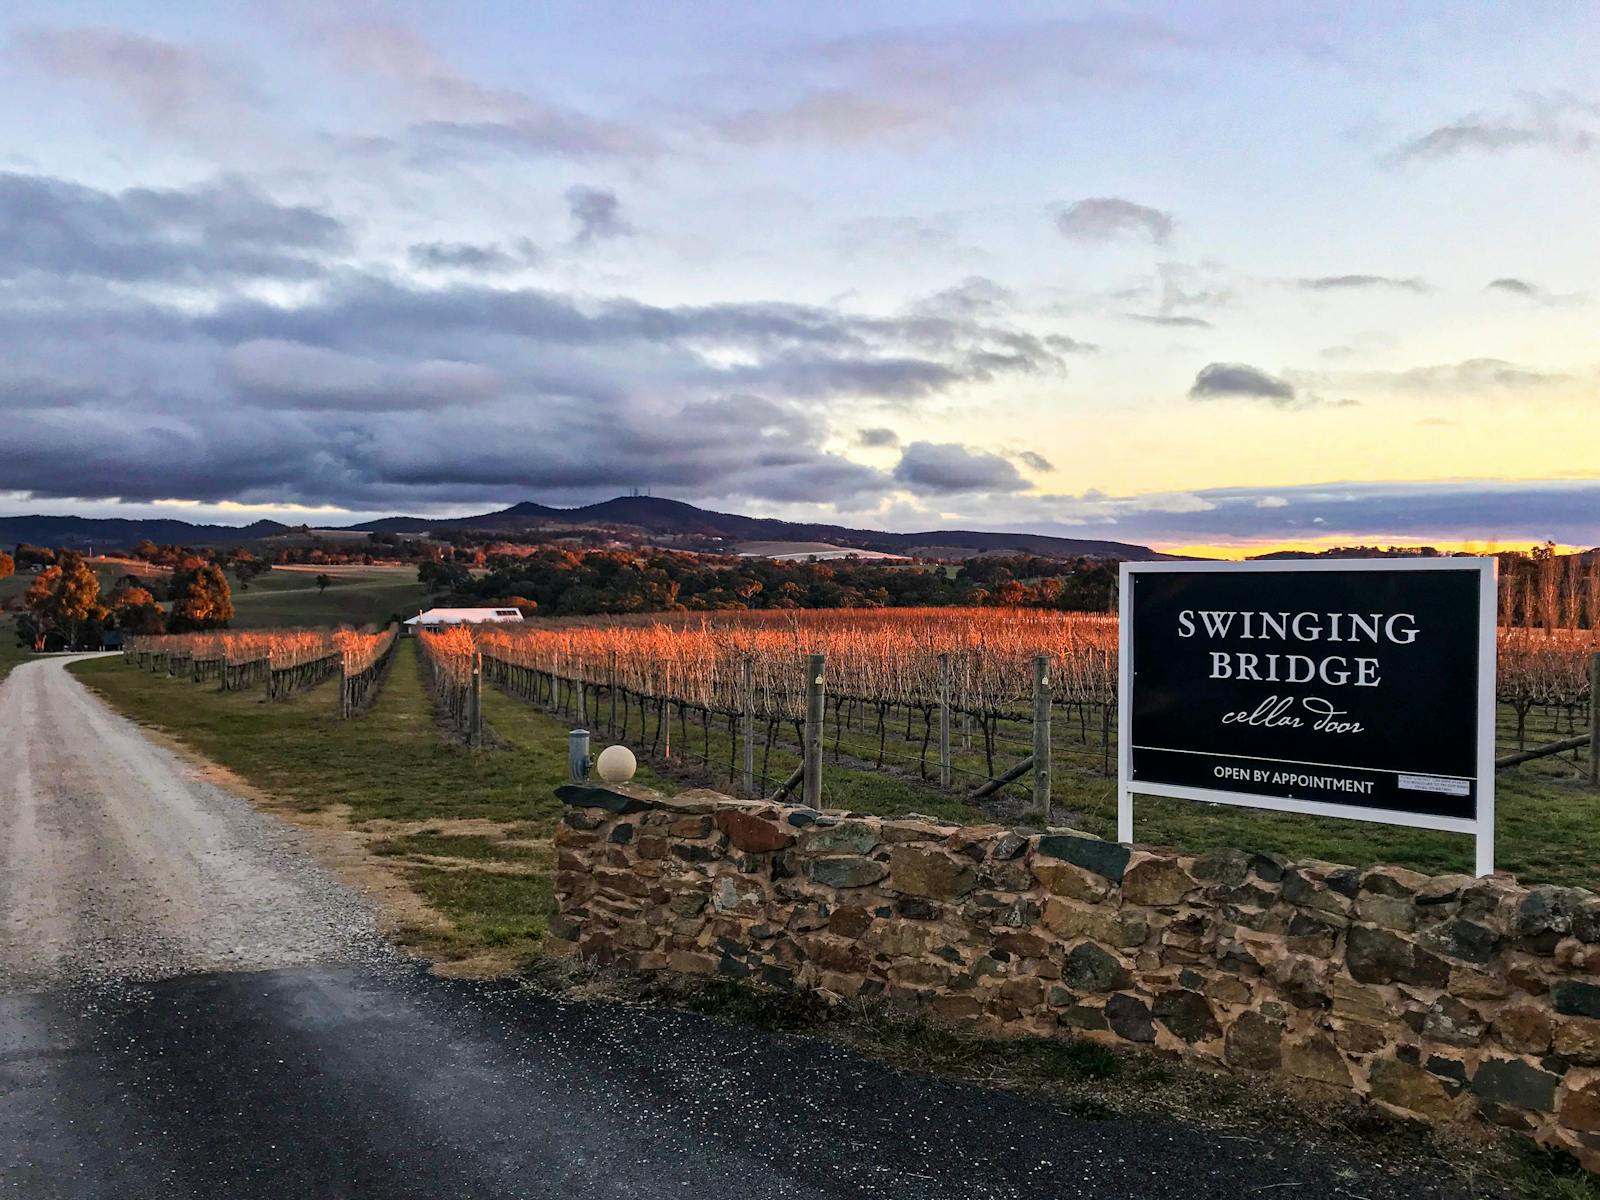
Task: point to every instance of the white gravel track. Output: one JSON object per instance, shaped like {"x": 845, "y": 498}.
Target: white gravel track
{"x": 118, "y": 861}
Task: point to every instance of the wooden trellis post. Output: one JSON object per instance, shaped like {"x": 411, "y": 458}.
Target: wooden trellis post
{"x": 944, "y": 720}
{"x": 748, "y": 686}
{"x": 811, "y": 761}
{"x": 475, "y": 703}
{"x": 1594, "y": 720}
{"x": 1041, "y": 738}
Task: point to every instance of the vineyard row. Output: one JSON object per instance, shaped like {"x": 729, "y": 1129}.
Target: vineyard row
{"x": 284, "y": 661}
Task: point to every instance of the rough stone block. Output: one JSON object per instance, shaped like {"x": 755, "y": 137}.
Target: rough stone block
{"x": 1107, "y": 859}
{"x": 1390, "y": 912}
{"x": 1524, "y": 1029}
{"x": 1064, "y": 879}
{"x": 897, "y": 939}
{"x": 1316, "y": 1058}
{"x": 1186, "y": 1014}
{"x": 844, "y": 871}
{"x": 1411, "y": 1088}
{"x": 1024, "y": 944}
{"x": 929, "y": 873}
{"x": 850, "y": 920}
{"x": 1083, "y": 1016}
{"x": 689, "y": 963}
{"x": 1156, "y": 881}
{"x": 1517, "y": 1083}
{"x": 579, "y": 795}
{"x": 1129, "y": 1018}
{"x": 1392, "y": 881}
{"x": 1382, "y": 956}
{"x": 1092, "y": 968}
{"x": 1359, "y": 1039}
{"x": 1578, "y": 1041}
{"x": 692, "y": 828}
{"x": 1580, "y": 1108}
{"x": 1254, "y": 1043}
{"x": 751, "y": 833}
{"x": 847, "y": 837}
{"x": 1008, "y": 845}
{"x": 1229, "y": 868}
{"x": 1574, "y": 998}
{"x": 1454, "y": 1023}
{"x": 1367, "y": 1005}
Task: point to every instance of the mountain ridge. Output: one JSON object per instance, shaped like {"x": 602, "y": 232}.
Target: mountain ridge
{"x": 651, "y": 515}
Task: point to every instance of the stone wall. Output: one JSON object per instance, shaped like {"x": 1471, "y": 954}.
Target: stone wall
{"x": 1438, "y": 997}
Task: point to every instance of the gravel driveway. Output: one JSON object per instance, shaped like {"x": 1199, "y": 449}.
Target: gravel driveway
{"x": 118, "y": 861}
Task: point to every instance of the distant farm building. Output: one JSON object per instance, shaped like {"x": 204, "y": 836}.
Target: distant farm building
{"x": 436, "y": 618}
{"x": 809, "y": 551}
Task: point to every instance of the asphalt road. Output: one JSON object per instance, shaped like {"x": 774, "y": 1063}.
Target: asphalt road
{"x": 126, "y": 1075}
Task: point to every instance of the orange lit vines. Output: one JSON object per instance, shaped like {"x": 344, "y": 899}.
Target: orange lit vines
{"x": 894, "y": 655}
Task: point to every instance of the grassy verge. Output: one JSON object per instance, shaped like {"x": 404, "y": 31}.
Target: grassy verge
{"x": 1094, "y": 1082}
{"x": 10, "y": 653}
{"x": 357, "y": 596}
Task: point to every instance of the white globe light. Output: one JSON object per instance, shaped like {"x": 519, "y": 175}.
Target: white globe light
{"x": 616, "y": 764}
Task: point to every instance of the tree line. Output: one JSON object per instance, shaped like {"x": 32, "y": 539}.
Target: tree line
{"x": 560, "y": 581}
{"x": 64, "y": 610}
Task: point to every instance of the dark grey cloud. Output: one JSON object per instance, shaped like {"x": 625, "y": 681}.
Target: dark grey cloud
{"x": 1461, "y": 137}
{"x": 877, "y": 438}
{"x": 945, "y": 467}
{"x": 889, "y": 378}
{"x": 1562, "y": 123}
{"x": 489, "y": 258}
{"x": 1341, "y": 283}
{"x": 1221, "y": 380}
{"x": 371, "y": 392}
{"x": 1172, "y": 320}
{"x": 1517, "y": 287}
{"x": 294, "y": 375}
{"x": 1536, "y": 293}
{"x": 974, "y": 296}
{"x": 1475, "y": 375}
{"x": 225, "y": 228}
{"x": 596, "y": 215}
{"x": 1032, "y": 458}
{"x": 1105, "y": 218}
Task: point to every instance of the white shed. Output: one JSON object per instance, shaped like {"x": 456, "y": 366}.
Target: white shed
{"x": 434, "y": 618}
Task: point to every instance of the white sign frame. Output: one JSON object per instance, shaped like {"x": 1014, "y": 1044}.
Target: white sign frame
{"x": 1481, "y": 826}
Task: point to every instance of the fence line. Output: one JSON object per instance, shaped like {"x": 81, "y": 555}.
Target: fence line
{"x": 453, "y": 671}
{"x": 760, "y": 748}
{"x": 284, "y": 662}
{"x": 362, "y": 670}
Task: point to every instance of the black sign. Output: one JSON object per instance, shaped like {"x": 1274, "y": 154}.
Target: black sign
{"x": 1355, "y": 687}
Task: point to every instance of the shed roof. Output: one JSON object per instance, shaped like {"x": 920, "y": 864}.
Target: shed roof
{"x": 464, "y": 616}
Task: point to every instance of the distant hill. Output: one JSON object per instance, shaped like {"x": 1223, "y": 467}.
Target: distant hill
{"x": 646, "y": 518}
{"x": 1353, "y": 552}
{"x": 80, "y": 533}
{"x": 659, "y": 516}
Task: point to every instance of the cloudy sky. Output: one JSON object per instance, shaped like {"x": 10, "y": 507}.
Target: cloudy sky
{"x": 1252, "y": 274}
